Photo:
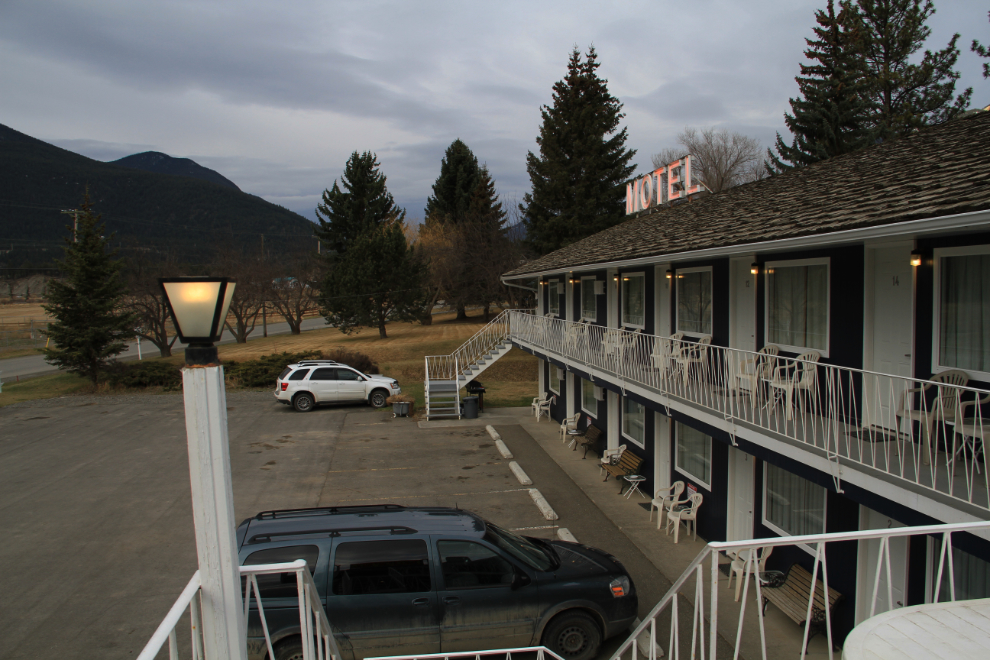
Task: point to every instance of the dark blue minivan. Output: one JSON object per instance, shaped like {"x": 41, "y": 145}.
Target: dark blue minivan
{"x": 404, "y": 581}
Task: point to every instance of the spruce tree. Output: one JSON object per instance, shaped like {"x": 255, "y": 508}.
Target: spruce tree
{"x": 372, "y": 274}
{"x": 904, "y": 95}
{"x": 830, "y": 116}
{"x": 362, "y": 203}
{"x": 452, "y": 190}
{"x": 984, "y": 52}
{"x": 484, "y": 205}
{"x": 90, "y": 326}
{"x": 579, "y": 176}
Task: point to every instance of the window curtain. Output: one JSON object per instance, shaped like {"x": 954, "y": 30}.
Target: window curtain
{"x": 588, "y": 400}
{"x": 972, "y": 575}
{"x": 694, "y": 302}
{"x": 694, "y": 453}
{"x": 793, "y": 504}
{"x": 553, "y": 296}
{"x": 797, "y": 306}
{"x": 633, "y": 304}
{"x": 964, "y": 327}
{"x": 634, "y": 420}
{"x": 589, "y": 307}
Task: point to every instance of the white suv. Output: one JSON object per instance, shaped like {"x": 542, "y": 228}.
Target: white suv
{"x": 312, "y": 382}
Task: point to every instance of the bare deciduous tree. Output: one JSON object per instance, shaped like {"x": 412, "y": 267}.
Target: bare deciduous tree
{"x": 293, "y": 288}
{"x": 147, "y": 302}
{"x": 249, "y": 294}
{"x": 720, "y": 159}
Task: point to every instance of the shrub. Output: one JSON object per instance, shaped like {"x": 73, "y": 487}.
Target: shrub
{"x": 264, "y": 371}
{"x": 145, "y": 374}
{"x": 353, "y": 359}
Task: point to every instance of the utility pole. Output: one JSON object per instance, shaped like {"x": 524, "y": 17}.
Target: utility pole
{"x": 262, "y": 247}
{"x": 264, "y": 317}
{"x": 75, "y": 223}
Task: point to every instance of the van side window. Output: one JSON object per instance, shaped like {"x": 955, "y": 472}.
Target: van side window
{"x": 281, "y": 585}
{"x": 468, "y": 565}
{"x": 324, "y": 374}
{"x": 347, "y": 374}
{"x": 299, "y": 374}
{"x": 381, "y": 567}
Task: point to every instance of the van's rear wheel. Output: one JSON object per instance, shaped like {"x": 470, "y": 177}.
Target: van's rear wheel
{"x": 573, "y": 636}
{"x": 303, "y": 402}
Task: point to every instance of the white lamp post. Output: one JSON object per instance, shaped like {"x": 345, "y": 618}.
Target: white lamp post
{"x": 198, "y": 306}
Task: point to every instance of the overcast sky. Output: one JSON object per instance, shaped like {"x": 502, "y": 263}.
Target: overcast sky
{"x": 276, "y": 95}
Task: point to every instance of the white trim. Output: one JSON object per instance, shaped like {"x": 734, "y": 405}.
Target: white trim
{"x": 974, "y": 221}
{"x": 622, "y": 408}
{"x": 960, "y": 251}
{"x": 592, "y": 280}
{"x": 677, "y": 321}
{"x": 772, "y": 527}
{"x": 583, "y": 409}
{"x": 796, "y": 263}
{"x": 622, "y": 299}
{"x": 711, "y": 458}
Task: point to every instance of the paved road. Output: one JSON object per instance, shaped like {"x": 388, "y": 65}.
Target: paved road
{"x": 35, "y": 365}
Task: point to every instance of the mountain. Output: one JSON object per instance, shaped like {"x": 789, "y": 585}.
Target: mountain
{"x": 152, "y": 214}
{"x": 155, "y": 161}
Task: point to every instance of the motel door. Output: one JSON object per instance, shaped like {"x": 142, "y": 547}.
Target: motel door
{"x": 742, "y": 480}
{"x": 893, "y": 325}
{"x": 869, "y": 551}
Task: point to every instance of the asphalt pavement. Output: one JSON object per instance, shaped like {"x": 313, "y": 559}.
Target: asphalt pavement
{"x": 12, "y": 369}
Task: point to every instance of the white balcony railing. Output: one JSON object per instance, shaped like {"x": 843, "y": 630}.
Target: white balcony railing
{"x": 449, "y": 367}
{"x": 660, "y": 631}
{"x": 318, "y": 641}
{"x": 926, "y": 432}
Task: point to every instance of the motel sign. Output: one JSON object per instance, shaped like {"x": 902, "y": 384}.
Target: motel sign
{"x": 648, "y": 190}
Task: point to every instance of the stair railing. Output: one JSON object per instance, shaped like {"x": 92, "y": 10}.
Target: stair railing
{"x": 450, "y": 367}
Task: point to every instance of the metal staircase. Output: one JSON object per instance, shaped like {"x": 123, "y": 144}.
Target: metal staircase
{"x": 447, "y": 374}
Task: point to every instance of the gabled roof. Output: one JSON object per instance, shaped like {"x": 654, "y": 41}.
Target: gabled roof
{"x": 936, "y": 172}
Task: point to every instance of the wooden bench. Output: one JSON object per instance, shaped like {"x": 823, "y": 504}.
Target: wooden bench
{"x": 628, "y": 464}
{"x": 590, "y": 441}
{"x": 791, "y": 598}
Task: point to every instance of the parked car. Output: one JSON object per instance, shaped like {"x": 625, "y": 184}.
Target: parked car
{"x": 313, "y": 382}
{"x": 403, "y": 581}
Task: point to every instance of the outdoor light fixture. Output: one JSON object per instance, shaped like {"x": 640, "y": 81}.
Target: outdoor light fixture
{"x": 198, "y": 306}
{"x": 670, "y": 274}
{"x": 754, "y": 268}
{"x": 915, "y": 258}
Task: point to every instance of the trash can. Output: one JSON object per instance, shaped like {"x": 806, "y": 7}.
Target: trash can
{"x": 470, "y": 407}
{"x": 475, "y": 387}
{"x": 400, "y": 409}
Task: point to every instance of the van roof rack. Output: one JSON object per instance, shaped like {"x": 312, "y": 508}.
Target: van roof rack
{"x": 327, "y": 511}
{"x": 267, "y": 537}
{"x": 302, "y": 362}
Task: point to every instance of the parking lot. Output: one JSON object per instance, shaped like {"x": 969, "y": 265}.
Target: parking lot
{"x": 96, "y": 515}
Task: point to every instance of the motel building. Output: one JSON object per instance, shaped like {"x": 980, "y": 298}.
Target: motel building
{"x": 809, "y": 352}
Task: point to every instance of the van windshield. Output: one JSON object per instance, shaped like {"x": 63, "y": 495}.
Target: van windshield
{"x": 522, "y": 549}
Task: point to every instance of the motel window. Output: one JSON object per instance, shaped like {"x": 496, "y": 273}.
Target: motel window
{"x": 589, "y": 302}
{"x": 634, "y": 422}
{"x": 797, "y": 305}
{"x": 972, "y": 574}
{"x": 694, "y": 454}
{"x": 589, "y": 403}
{"x": 694, "y": 301}
{"x": 556, "y": 379}
{"x": 963, "y": 310}
{"x": 553, "y": 297}
{"x": 792, "y": 506}
{"x": 634, "y": 300}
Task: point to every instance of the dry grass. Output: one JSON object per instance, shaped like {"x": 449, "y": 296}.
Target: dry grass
{"x": 45, "y": 387}
{"x": 20, "y": 312}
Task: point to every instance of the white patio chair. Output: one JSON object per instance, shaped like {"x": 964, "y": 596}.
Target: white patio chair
{"x": 738, "y": 566}
{"x": 662, "y": 355}
{"x": 569, "y": 424}
{"x": 609, "y": 454}
{"x": 688, "y": 516}
{"x": 794, "y": 377}
{"x": 973, "y": 432}
{"x": 664, "y": 496}
{"x": 754, "y": 371}
{"x": 942, "y": 409}
{"x": 693, "y": 354}
{"x": 541, "y": 405}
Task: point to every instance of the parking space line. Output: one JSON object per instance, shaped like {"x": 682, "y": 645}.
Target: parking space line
{"x": 388, "y": 469}
{"x": 434, "y": 495}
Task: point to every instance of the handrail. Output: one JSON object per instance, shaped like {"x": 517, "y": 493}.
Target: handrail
{"x": 542, "y": 653}
{"x": 889, "y": 423}
{"x": 480, "y": 344}
{"x": 166, "y": 629}
{"x": 651, "y": 624}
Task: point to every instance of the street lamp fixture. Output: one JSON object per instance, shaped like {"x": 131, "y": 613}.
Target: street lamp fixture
{"x": 198, "y": 306}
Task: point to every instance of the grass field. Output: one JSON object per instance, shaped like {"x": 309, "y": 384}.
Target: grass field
{"x": 509, "y": 382}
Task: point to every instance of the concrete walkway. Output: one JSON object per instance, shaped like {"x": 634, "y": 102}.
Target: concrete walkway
{"x": 629, "y": 518}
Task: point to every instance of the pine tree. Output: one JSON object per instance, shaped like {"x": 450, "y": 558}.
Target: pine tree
{"x": 578, "y": 177}
{"x": 90, "y": 326}
{"x": 830, "y": 116}
{"x": 452, "y": 190}
{"x": 373, "y": 275}
{"x": 363, "y": 203}
{"x": 906, "y": 96}
{"x": 984, "y": 52}
{"x": 484, "y": 205}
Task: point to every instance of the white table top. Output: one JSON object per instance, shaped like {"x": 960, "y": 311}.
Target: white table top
{"x": 953, "y": 631}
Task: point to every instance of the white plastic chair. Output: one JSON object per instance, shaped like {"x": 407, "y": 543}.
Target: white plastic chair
{"x": 738, "y": 566}
{"x": 798, "y": 375}
{"x": 569, "y": 424}
{"x": 754, "y": 370}
{"x": 689, "y": 516}
{"x": 662, "y": 497}
{"x": 691, "y": 354}
{"x": 973, "y": 432}
{"x": 541, "y": 405}
{"x": 943, "y": 408}
{"x": 607, "y": 457}
{"x": 662, "y": 355}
